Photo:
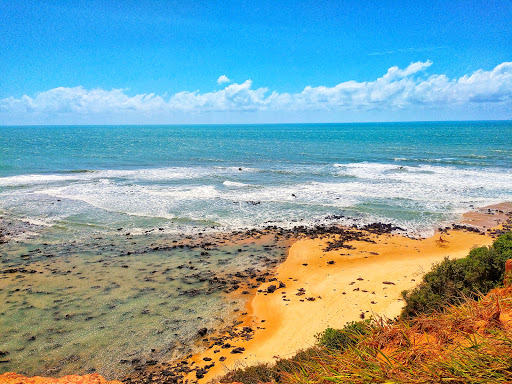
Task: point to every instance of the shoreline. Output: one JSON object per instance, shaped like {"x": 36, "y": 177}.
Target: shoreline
{"x": 160, "y": 283}
{"x": 337, "y": 287}
{"x": 362, "y": 274}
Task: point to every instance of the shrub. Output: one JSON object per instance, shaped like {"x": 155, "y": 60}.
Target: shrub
{"x": 451, "y": 280}
{"x": 255, "y": 374}
{"x": 337, "y": 339}
{"x": 263, "y": 373}
{"x": 503, "y": 245}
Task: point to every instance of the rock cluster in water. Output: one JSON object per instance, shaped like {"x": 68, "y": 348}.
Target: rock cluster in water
{"x": 176, "y": 371}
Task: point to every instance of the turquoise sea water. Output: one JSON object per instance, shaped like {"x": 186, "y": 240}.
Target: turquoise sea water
{"x": 415, "y": 175}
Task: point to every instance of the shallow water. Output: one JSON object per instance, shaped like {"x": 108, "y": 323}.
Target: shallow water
{"x": 96, "y": 304}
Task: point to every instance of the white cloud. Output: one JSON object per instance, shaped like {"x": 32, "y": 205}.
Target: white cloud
{"x": 223, "y": 79}
{"x": 397, "y": 90}
{"x": 401, "y": 88}
{"x": 81, "y": 101}
{"x": 406, "y": 50}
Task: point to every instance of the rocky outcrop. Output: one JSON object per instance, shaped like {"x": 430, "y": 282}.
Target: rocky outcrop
{"x": 14, "y": 378}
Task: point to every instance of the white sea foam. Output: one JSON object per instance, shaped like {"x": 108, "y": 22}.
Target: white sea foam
{"x": 150, "y": 174}
{"x": 21, "y": 180}
{"x": 218, "y": 194}
{"x": 235, "y": 184}
{"x": 235, "y": 169}
{"x": 137, "y": 200}
{"x": 430, "y": 175}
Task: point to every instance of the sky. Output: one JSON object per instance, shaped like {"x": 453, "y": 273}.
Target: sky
{"x": 178, "y": 62}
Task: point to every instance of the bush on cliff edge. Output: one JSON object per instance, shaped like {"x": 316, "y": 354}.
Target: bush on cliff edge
{"x": 340, "y": 339}
{"x": 452, "y": 280}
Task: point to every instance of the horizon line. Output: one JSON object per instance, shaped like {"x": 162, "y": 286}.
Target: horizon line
{"x": 248, "y": 124}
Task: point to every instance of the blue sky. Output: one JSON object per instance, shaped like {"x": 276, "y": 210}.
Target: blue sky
{"x": 159, "y": 61}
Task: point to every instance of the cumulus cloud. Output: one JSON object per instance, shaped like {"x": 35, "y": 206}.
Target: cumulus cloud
{"x": 233, "y": 97}
{"x": 397, "y": 89}
{"x": 80, "y": 100}
{"x": 223, "y": 79}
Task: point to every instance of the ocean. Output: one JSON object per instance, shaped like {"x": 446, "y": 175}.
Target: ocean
{"x": 186, "y": 178}
{"x": 90, "y": 279}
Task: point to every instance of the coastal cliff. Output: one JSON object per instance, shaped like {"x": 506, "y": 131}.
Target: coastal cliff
{"x": 13, "y": 378}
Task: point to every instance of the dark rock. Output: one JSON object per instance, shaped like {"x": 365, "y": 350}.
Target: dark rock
{"x": 271, "y": 288}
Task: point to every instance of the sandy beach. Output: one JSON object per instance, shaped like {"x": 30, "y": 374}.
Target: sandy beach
{"x": 322, "y": 289}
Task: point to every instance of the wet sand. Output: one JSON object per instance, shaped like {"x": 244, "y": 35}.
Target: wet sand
{"x": 490, "y": 216}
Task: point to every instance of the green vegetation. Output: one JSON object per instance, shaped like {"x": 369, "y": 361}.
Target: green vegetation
{"x": 463, "y": 344}
{"x": 448, "y": 332}
{"x": 273, "y": 373}
{"x": 340, "y": 339}
{"x": 330, "y": 339}
{"x": 451, "y": 281}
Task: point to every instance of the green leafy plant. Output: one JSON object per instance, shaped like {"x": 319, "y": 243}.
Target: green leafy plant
{"x": 342, "y": 338}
